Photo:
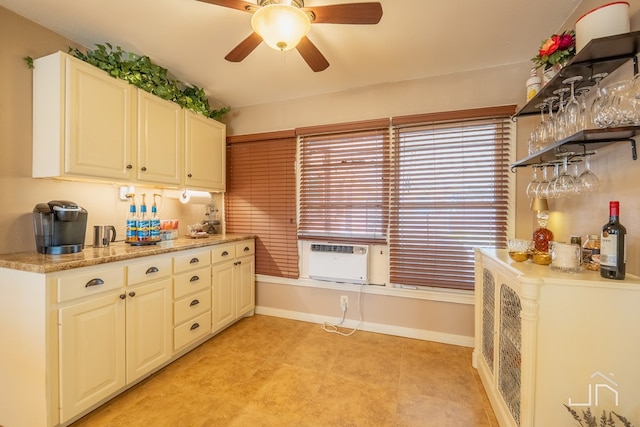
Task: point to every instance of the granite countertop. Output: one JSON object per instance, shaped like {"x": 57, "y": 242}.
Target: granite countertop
{"x": 35, "y": 262}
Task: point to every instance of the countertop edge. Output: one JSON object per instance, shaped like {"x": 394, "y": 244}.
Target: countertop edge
{"x": 119, "y": 251}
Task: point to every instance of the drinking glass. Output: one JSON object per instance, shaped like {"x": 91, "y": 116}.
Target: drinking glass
{"x": 589, "y": 182}
{"x": 536, "y": 138}
{"x": 612, "y": 111}
{"x": 598, "y": 100}
{"x": 584, "y": 108}
{"x": 572, "y": 109}
{"x": 564, "y": 185}
{"x": 561, "y": 122}
{"x": 549, "y": 191}
{"x": 549, "y": 124}
{"x": 541, "y": 188}
{"x": 533, "y": 184}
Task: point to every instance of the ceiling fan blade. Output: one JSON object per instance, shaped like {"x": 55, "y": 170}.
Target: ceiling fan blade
{"x": 349, "y": 13}
{"x": 312, "y": 55}
{"x": 234, "y": 4}
{"x": 243, "y": 49}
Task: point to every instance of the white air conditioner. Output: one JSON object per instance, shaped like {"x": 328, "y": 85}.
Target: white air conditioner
{"x": 339, "y": 263}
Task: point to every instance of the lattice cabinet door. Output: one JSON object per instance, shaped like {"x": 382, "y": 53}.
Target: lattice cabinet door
{"x": 488, "y": 317}
{"x": 510, "y": 350}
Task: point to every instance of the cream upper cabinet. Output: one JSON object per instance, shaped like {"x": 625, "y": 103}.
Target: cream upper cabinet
{"x": 205, "y": 153}
{"x": 160, "y": 140}
{"x": 83, "y": 121}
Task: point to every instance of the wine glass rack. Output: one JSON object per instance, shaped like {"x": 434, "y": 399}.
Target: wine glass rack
{"x": 602, "y": 55}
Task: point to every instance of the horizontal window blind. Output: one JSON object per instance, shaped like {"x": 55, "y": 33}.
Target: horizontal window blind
{"x": 450, "y": 193}
{"x": 261, "y": 198}
{"x": 344, "y": 183}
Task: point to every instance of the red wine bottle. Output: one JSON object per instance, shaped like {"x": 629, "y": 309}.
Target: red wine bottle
{"x": 613, "y": 245}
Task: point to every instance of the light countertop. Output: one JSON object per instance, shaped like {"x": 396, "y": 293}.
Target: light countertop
{"x": 35, "y": 262}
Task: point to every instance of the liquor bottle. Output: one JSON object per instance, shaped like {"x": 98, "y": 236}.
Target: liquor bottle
{"x": 154, "y": 221}
{"x": 132, "y": 221}
{"x": 143, "y": 221}
{"x": 533, "y": 84}
{"x": 613, "y": 243}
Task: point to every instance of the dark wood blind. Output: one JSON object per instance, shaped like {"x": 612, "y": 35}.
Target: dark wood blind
{"x": 450, "y": 193}
{"x": 344, "y": 182}
{"x": 261, "y": 198}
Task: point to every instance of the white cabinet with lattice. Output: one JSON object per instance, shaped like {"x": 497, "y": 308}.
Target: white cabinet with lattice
{"x": 546, "y": 338}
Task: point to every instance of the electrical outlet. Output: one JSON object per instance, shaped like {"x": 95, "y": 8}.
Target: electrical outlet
{"x": 344, "y": 302}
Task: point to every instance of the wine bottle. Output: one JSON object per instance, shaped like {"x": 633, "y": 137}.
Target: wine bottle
{"x": 613, "y": 245}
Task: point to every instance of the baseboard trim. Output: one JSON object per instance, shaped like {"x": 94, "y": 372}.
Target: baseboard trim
{"x": 400, "y": 331}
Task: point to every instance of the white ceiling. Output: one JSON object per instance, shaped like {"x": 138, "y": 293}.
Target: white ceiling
{"x": 414, "y": 39}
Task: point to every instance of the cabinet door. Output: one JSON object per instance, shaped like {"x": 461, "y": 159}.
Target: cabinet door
{"x": 149, "y": 327}
{"x": 222, "y": 296}
{"x": 92, "y": 352}
{"x": 205, "y": 153}
{"x": 245, "y": 285}
{"x": 99, "y": 122}
{"x": 160, "y": 140}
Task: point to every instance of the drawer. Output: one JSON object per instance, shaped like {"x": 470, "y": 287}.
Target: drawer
{"x": 191, "y": 331}
{"x": 150, "y": 268}
{"x": 246, "y": 247}
{"x": 191, "y": 306}
{"x": 191, "y": 260}
{"x": 193, "y": 281}
{"x": 224, "y": 252}
{"x": 90, "y": 282}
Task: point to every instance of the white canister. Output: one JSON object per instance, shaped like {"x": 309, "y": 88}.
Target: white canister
{"x": 606, "y": 20}
{"x": 566, "y": 257}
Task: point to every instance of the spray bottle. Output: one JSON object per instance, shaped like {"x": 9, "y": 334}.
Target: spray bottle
{"x": 154, "y": 222}
{"x": 143, "y": 221}
{"x": 132, "y": 220}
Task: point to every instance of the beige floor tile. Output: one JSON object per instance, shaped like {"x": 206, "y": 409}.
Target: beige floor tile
{"x": 268, "y": 371}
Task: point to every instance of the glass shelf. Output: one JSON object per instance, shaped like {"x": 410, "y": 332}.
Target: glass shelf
{"x": 586, "y": 140}
{"x": 603, "y": 55}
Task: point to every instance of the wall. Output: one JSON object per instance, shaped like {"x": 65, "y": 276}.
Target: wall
{"x": 20, "y": 193}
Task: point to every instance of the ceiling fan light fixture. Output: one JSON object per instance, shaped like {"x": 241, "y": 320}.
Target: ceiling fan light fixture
{"x": 281, "y": 26}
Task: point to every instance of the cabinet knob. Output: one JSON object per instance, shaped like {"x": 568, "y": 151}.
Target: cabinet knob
{"x": 152, "y": 270}
{"x": 143, "y": 169}
{"x": 123, "y": 296}
{"x": 132, "y": 294}
{"x": 94, "y": 282}
{"x": 194, "y": 279}
{"x": 194, "y": 326}
{"x": 239, "y": 262}
{"x": 194, "y": 260}
{"x": 189, "y": 176}
{"x": 194, "y": 302}
{"x": 129, "y": 166}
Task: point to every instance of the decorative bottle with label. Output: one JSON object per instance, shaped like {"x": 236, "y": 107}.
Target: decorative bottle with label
{"x": 154, "y": 222}
{"x": 613, "y": 245}
{"x": 533, "y": 84}
{"x": 132, "y": 221}
{"x": 143, "y": 221}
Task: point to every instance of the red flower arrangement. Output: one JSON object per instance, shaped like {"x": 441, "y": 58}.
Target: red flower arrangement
{"x": 557, "y": 49}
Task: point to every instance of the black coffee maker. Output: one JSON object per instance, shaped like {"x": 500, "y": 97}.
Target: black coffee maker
{"x": 60, "y": 227}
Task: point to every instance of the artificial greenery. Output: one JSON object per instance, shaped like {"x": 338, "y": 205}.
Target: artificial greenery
{"x": 140, "y": 71}
{"x": 591, "y": 420}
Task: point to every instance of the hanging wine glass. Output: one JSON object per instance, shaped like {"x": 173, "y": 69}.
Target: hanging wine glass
{"x": 549, "y": 127}
{"x": 561, "y": 123}
{"x": 589, "y": 182}
{"x": 533, "y": 184}
{"x": 584, "y": 108}
{"x": 541, "y": 188}
{"x": 564, "y": 185}
{"x": 537, "y": 136}
{"x": 549, "y": 191}
{"x": 597, "y": 102}
{"x": 572, "y": 109}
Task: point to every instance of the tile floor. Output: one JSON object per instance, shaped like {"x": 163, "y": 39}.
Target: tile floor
{"x": 269, "y": 371}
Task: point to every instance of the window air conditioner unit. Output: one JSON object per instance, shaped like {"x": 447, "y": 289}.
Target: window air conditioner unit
{"x": 339, "y": 263}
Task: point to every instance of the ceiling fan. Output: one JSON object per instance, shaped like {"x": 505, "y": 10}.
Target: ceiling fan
{"x": 284, "y": 24}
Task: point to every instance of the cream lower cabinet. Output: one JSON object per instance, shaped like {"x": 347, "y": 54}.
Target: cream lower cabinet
{"x": 112, "y": 338}
{"x": 191, "y": 297}
{"x": 546, "y": 338}
{"x": 233, "y": 282}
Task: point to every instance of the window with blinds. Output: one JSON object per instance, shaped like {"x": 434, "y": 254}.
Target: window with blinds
{"x": 344, "y": 182}
{"x": 261, "y": 198}
{"x": 450, "y": 193}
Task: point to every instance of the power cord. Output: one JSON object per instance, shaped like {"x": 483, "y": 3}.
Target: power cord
{"x": 333, "y": 328}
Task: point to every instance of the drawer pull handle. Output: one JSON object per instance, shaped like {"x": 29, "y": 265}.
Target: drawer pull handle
{"x": 152, "y": 270}
{"x": 225, "y": 253}
{"x": 94, "y": 282}
{"x": 194, "y": 326}
{"x": 194, "y": 279}
{"x": 194, "y": 260}
{"x": 194, "y": 302}
{"x": 123, "y": 296}
{"x": 246, "y": 249}
{"x": 132, "y": 294}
